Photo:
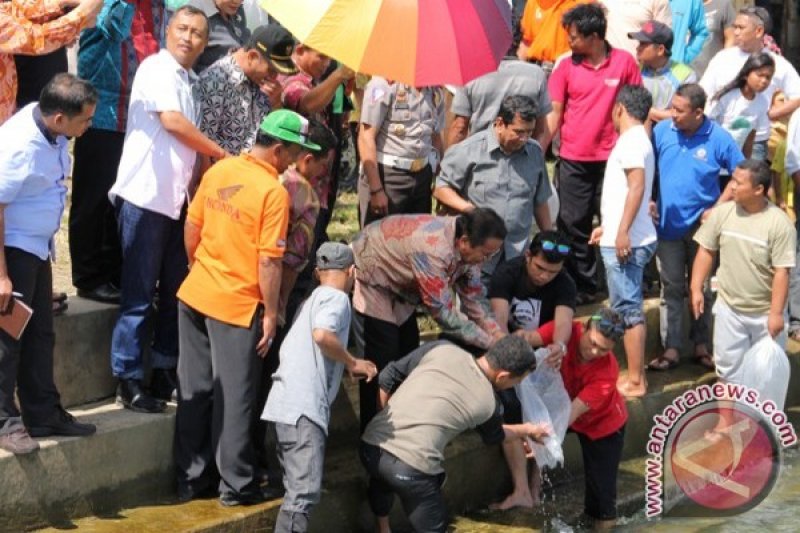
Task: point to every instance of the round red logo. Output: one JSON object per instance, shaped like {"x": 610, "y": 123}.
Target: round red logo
{"x": 725, "y": 459}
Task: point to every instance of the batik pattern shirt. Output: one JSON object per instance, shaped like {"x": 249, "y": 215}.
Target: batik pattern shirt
{"x": 303, "y": 213}
{"x": 20, "y": 33}
{"x": 231, "y": 106}
{"x": 295, "y": 87}
{"x": 406, "y": 260}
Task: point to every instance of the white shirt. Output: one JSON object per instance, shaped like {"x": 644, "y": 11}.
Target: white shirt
{"x": 628, "y": 16}
{"x": 155, "y": 167}
{"x": 793, "y": 145}
{"x": 724, "y": 67}
{"x": 738, "y": 115}
{"x": 633, "y": 150}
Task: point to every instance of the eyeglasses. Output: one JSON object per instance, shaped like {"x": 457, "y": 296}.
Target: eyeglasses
{"x": 549, "y": 246}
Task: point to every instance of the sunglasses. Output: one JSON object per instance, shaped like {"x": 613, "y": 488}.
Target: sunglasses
{"x": 549, "y": 246}
{"x": 608, "y": 328}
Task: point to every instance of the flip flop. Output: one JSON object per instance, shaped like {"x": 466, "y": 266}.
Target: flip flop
{"x": 705, "y": 360}
{"x": 662, "y": 364}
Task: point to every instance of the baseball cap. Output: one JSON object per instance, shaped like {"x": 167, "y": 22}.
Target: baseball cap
{"x": 288, "y": 126}
{"x": 276, "y": 44}
{"x": 653, "y": 32}
{"x": 334, "y": 256}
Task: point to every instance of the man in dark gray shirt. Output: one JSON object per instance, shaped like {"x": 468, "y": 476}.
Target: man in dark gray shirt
{"x": 403, "y": 446}
{"x": 502, "y": 169}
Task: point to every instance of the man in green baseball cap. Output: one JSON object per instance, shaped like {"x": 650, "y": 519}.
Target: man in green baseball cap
{"x": 228, "y": 306}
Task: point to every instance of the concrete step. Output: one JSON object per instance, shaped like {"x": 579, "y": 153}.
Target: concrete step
{"x": 122, "y": 478}
{"x": 82, "y": 353}
{"x": 131, "y": 454}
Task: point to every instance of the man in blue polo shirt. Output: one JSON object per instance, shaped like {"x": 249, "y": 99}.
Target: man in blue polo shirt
{"x": 34, "y": 163}
{"x": 690, "y": 151}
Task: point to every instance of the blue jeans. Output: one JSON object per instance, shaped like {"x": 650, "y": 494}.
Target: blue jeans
{"x": 625, "y": 281}
{"x": 152, "y": 256}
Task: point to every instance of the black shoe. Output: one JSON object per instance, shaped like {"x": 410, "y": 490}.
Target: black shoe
{"x": 164, "y": 384}
{"x": 229, "y": 499}
{"x": 106, "y": 293}
{"x": 131, "y": 396}
{"x": 63, "y": 424}
{"x": 187, "y": 492}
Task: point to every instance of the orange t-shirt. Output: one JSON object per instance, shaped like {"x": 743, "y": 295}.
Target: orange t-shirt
{"x": 542, "y": 30}
{"x": 242, "y": 212}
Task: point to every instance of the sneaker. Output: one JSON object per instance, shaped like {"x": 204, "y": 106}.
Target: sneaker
{"x": 18, "y": 442}
{"x": 63, "y": 424}
{"x": 230, "y": 499}
{"x": 131, "y": 396}
{"x": 164, "y": 384}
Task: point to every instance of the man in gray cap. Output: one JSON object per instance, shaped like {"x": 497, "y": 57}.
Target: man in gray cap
{"x": 313, "y": 358}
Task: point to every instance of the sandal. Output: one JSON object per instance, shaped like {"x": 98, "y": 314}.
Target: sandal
{"x": 59, "y": 297}
{"x": 794, "y": 334}
{"x": 705, "y": 360}
{"x": 59, "y": 307}
{"x": 662, "y": 364}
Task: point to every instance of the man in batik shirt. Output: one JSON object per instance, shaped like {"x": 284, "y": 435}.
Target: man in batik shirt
{"x": 403, "y": 261}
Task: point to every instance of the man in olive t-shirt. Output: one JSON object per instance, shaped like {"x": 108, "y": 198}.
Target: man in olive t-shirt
{"x": 429, "y": 397}
{"x": 756, "y": 244}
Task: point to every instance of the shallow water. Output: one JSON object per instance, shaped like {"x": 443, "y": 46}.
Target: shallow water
{"x": 779, "y": 512}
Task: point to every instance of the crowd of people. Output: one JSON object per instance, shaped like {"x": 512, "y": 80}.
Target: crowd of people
{"x": 207, "y": 166}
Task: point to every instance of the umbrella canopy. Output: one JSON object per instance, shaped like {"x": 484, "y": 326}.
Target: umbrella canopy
{"x": 417, "y": 42}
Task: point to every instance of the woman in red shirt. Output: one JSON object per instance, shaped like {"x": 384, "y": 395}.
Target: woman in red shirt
{"x": 598, "y": 414}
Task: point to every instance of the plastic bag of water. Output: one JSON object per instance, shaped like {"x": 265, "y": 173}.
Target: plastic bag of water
{"x": 765, "y": 368}
{"x": 544, "y": 400}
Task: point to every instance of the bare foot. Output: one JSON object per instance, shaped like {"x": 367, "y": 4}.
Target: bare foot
{"x": 701, "y": 350}
{"x": 632, "y": 390}
{"x": 514, "y": 500}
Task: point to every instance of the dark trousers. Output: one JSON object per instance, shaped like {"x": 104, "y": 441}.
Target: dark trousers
{"x": 407, "y": 192}
{"x": 420, "y": 493}
{"x": 34, "y": 72}
{"x": 154, "y": 258}
{"x": 601, "y": 459}
{"x": 384, "y": 342}
{"x": 580, "y": 184}
{"x": 93, "y": 239}
{"x": 217, "y": 373}
{"x": 28, "y": 363}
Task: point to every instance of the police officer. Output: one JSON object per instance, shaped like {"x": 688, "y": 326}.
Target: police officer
{"x": 400, "y": 145}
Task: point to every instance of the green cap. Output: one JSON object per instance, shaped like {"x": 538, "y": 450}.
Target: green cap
{"x": 288, "y": 126}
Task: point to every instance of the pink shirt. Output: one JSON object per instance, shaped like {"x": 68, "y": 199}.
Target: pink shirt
{"x": 588, "y": 95}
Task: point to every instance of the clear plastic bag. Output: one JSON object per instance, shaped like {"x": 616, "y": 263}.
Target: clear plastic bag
{"x": 544, "y": 400}
{"x": 765, "y": 368}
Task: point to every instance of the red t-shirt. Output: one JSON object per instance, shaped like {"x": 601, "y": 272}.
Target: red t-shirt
{"x": 588, "y": 94}
{"x": 595, "y": 383}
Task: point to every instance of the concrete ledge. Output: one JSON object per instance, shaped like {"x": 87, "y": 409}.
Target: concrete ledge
{"x": 82, "y": 364}
{"x": 130, "y": 455}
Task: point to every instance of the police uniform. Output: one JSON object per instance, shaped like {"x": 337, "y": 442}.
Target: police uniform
{"x": 406, "y": 120}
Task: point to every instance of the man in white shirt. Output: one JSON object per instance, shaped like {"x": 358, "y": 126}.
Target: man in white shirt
{"x": 749, "y": 28}
{"x": 627, "y": 237}
{"x": 161, "y": 144}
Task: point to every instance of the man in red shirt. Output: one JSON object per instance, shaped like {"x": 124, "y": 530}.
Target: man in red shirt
{"x": 583, "y": 89}
{"x": 598, "y": 414}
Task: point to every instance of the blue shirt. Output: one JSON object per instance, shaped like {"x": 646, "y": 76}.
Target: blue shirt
{"x": 307, "y": 382}
{"x": 688, "y": 170}
{"x": 688, "y": 18}
{"x": 32, "y": 170}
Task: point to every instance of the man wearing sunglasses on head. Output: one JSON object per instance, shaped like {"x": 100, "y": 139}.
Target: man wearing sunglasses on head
{"x": 525, "y": 293}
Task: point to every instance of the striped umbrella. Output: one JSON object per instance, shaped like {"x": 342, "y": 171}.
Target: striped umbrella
{"x": 417, "y": 42}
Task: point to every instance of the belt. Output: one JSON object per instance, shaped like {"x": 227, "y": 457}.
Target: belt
{"x": 403, "y": 163}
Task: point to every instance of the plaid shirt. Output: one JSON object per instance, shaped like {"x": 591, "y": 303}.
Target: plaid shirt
{"x": 406, "y": 260}
{"x": 231, "y": 107}
{"x": 24, "y": 29}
